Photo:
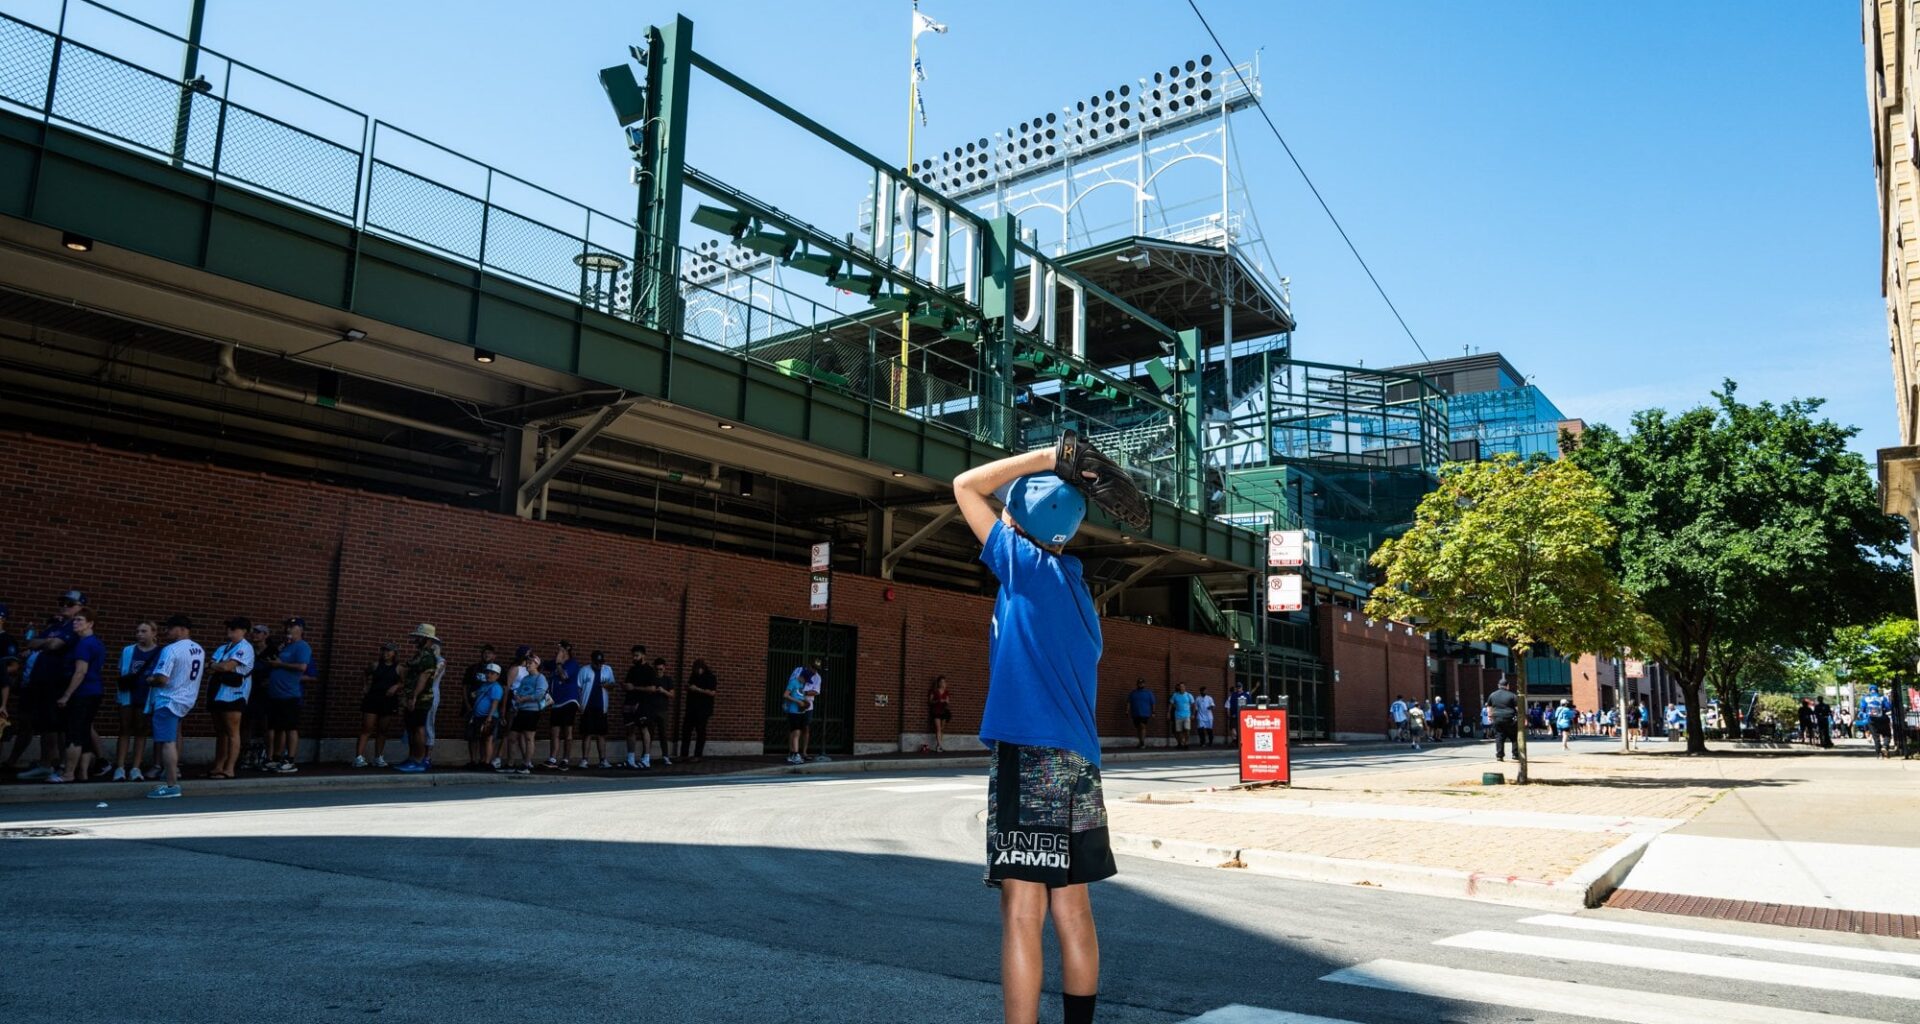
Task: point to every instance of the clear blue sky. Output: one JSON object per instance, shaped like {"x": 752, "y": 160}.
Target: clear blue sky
{"x": 1630, "y": 200}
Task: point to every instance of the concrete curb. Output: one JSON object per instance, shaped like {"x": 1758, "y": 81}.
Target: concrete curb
{"x": 1588, "y": 886}
{"x": 856, "y": 764}
{"x": 96, "y": 791}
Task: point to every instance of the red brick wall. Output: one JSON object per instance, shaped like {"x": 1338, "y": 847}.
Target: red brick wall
{"x": 1374, "y": 663}
{"x": 147, "y": 537}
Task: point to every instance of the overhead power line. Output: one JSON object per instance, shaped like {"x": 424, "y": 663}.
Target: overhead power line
{"x": 1311, "y": 187}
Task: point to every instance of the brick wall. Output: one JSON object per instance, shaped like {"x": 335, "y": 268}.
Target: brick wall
{"x": 1375, "y": 662}
{"x": 147, "y": 537}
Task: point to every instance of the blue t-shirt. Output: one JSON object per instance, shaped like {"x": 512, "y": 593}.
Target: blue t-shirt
{"x": 565, "y": 683}
{"x": 284, "y": 683}
{"x": 485, "y": 697}
{"x": 48, "y": 671}
{"x": 93, "y": 652}
{"x": 1043, "y": 656}
{"x": 794, "y": 699}
{"x": 1563, "y": 718}
{"x": 1140, "y": 702}
{"x": 1182, "y": 704}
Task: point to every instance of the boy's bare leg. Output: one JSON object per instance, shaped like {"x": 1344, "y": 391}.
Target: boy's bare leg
{"x": 1072, "y": 909}
{"x": 1023, "y": 915}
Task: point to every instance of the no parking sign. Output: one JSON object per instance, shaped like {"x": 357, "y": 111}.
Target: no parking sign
{"x": 1263, "y": 746}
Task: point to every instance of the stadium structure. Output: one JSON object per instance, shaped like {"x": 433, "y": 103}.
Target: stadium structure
{"x": 274, "y": 356}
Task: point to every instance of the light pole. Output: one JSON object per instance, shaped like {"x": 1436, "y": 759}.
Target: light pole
{"x": 188, "y": 89}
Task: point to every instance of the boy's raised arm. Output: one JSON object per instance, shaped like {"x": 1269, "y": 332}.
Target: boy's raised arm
{"x": 971, "y": 488}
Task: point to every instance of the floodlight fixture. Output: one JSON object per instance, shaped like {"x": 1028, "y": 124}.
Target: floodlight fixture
{"x": 76, "y": 242}
{"x": 624, "y": 93}
{"x": 481, "y": 355}
{"x": 353, "y": 334}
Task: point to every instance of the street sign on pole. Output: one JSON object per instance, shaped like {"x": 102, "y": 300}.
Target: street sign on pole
{"x": 822, "y": 556}
{"x": 1264, "y": 756}
{"x": 819, "y": 593}
{"x": 1286, "y": 548}
{"x": 1283, "y": 592}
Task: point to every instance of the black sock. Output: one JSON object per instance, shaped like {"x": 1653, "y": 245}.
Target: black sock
{"x": 1077, "y": 1009}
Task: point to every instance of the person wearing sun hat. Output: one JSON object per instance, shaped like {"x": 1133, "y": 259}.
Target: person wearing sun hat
{"x": 1046, "y": 819}
{"x": 420, "y": 696}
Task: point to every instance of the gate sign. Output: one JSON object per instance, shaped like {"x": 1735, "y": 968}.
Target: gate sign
{"x": 1286, "y": 548}
{"x": 1636, "y": 668}
{"x": 1263, "y": 746}
{"x": 1283, "y": 592}
{"x": 817, "y": 595}
{"x": 822, "y": 556}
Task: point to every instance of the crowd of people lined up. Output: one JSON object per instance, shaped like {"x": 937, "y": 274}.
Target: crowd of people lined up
{"x": 1818, "y": 721}
{"x": 54, "y": 680}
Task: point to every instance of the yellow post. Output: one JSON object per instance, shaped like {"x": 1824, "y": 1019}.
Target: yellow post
{"x": 913, "y": 106}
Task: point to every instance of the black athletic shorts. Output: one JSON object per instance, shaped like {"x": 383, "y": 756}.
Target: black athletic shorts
{"x": 565, "y": 715}
{"x": 230, "y": 707}
{"x": 379, "y": 702}
{"x": 79, "y": 722}
{"x": 42, "y": 710}
{"x": 283, "y": 713}
{"x": 526, "y": 721}
{"x": 593, "y": 723}
{"x": 419, "y": 715}
{"x": 477, "y": 728}
{"x": 1046, "y": 818}
{"x": 799, "y": 719}
{"x": 1140, "y": 720}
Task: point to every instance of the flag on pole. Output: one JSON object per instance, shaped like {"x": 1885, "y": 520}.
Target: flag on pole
{"x": 922, "y": 23}
{"x": 920, "y": 95}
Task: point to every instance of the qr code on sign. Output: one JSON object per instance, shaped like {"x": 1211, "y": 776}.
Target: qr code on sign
{"x": 1263, "y": 742}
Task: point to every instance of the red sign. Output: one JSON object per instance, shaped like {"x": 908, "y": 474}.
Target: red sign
{"x": 1263, "y": 746}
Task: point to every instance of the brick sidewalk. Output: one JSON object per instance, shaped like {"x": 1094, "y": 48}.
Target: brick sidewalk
{"x": 1591, "y": 782}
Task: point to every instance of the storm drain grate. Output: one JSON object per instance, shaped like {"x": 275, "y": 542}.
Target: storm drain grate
{"x": 36, "y": 833}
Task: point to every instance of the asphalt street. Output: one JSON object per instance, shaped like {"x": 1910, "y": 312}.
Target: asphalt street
{"x": 848, "y": 898}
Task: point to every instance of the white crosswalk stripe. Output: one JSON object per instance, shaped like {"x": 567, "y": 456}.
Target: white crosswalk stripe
{"x": 1237, "y": 1014}
{"x": 1678, "y": 962}
{"x": 1543, "y": 995}
{"x": 1819, "y": 949}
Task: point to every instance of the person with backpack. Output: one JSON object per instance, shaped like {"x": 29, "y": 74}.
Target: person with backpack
{"x": 1563, "y": 719}
{"x": 1877, "y": 711}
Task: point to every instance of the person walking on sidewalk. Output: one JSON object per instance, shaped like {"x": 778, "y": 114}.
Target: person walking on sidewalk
{"x": 1563, "y": 719}
{"x": 1416, "y": 724}
{"x": 1398, "y": 712}
{"x": 1823, "y": 721}
{"x": 1503, "y": 713}
{"x": 1203, "y": 717}
{"x": 1140, "y": 709}
{"x": 1046, "y": 820}
{"x": 1181, "y": 705}
{"x": 1877, "y": 711}
{"x": 1236, "y": 699}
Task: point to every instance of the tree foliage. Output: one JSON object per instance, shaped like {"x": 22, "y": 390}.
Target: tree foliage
{"x": 1513, "y": 553}
{"x": 1877, "y": 655}
{"x": 1744, "y": 528}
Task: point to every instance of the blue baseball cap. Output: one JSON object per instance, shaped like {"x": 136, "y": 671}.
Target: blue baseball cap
{"x": 1048, "y": 508}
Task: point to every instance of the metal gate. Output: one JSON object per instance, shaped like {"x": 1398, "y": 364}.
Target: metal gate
{"x": 793, "y": 642}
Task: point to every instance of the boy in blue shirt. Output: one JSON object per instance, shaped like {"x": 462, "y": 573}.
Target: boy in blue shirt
{"x": 1046, "y": 821}
{"x": 487, "y": 694}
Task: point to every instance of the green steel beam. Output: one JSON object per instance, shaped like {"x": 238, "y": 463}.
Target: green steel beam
{"x": 663, "y": 161}
{"x": 996, "y": 342}
{"x": 827, "y": 135}
{"x": 1192, "y": 456}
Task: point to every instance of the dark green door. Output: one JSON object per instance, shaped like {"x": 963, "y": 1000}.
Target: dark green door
{"x": 793, "y": 642}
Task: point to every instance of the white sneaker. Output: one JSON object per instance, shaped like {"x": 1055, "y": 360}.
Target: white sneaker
{"x": 796, "y": 759}
{"x": 646, "y": 762}
{"x": 379, "y": 762}
{"x": 38, "y": 771}
{"x": 582, "y": 764}
{"x": 135, "y": 776}
{"x": 496, "y": 764}
{"x": 629, "y": 763}
{"x": 55, "y": 777}
{"x": 359, "y": 761}
{"x": 668, "y": 761}
{"x": 603, "y": 764}
{"x": 119, "y": 775}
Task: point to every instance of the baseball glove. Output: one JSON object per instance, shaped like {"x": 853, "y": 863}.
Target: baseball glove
{"x": 1105, "y": 482}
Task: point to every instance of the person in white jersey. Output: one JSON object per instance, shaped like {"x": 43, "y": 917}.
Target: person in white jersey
{"x": 175, "y": 686}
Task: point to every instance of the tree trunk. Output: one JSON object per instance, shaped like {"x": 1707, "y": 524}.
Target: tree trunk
{"x": 1696, "y": 736}
{"x": 1520, "y": 734}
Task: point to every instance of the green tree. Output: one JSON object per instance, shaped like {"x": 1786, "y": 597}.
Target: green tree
{"x": 1512, "y": 553}
{"x": 1742, "y": 528}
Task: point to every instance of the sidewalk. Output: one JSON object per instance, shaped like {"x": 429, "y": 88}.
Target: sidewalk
{"x": 1564, "y": 842}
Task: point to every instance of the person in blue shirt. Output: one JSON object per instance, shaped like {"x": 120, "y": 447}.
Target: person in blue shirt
{"x": 1877, "y": 711}
{"x": 1563, "y": 717}
{"x": 289, "y": 664}
{"x": 79, "y": 700}
{"x": 1181, "y": 704}
{"x": 1140, "y": 709}
{"x": 1046, "y": 819}
{"x": 487, "y": 695}
{"x": 136, "y": 663}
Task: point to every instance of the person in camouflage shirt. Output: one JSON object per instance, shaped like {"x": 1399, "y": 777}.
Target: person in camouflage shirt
{"x": 421, "y": 690}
